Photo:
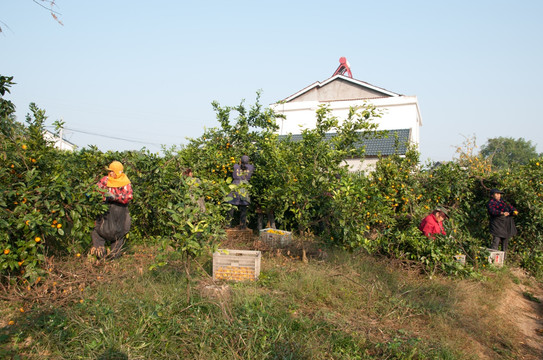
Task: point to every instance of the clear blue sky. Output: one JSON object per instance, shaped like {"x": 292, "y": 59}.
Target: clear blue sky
{"x": 148, "y": 70}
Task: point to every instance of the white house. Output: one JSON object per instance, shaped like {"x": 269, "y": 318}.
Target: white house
{"x": 58, "y": 141}
{"x": 401, "y": 114}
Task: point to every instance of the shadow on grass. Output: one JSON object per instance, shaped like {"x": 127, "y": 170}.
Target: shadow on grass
{"x": 20, "y": 337}
{"x": 112, "y": 354}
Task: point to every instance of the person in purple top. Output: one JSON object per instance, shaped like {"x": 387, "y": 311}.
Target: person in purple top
{"x": 502, "y": 225}
{"x": 241, "y": 175}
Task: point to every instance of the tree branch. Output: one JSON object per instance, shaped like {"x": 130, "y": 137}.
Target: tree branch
{"x": 52, "y": 2}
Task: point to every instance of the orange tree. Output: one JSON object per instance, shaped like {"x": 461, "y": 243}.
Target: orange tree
{"x": 242, "y": 131}
{"x": 370, "y": 206}
{"x": 524, "y": 189}
{"x": 186, "y": 214}
{"x": 48, "y": 201}
{"x": 312, "y": 167}
{"x": 44, "y": 205}
{"x": 194, "y": 226}
{"x": 292, "y": 178}
{"x": 380, "y": 211}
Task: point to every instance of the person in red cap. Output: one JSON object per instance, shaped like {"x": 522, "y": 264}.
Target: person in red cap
{"x": 433, "y": 223}
{"x": 502, "y": 226}
{"x": 115, "y": 223}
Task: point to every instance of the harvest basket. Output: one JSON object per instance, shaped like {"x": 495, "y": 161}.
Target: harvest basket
{"x": 275, "y": 238}
{"x": 236, "y": 265}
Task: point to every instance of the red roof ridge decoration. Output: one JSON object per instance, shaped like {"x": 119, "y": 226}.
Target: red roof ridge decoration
{"x": 344, "y": 67}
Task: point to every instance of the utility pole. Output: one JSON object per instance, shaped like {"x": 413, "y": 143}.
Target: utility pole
{"x": 61, "y": 135}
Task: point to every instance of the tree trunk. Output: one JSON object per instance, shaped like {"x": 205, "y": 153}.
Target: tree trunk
{"x": 271, "y": 219}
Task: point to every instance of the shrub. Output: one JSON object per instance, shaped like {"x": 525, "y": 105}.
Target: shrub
{"x": 49, "y": 200}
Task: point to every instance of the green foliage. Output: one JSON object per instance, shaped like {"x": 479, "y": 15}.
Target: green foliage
{"x": 506, "y": 152}
{"x": 196, "y": 226}
{"x": 380, "y": 212}
{"x": 43, "y": 205}
{"x": 7, "y": 108}
{"x": 292, "y": 179}
{"x": 311, "y": 168}
{"x": 242, "y": 131}
{"x": 49, "y": 202}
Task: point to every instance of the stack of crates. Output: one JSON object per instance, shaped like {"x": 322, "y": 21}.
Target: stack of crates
{"x": 236, "y": 265}
{"x": 275, "y": 238}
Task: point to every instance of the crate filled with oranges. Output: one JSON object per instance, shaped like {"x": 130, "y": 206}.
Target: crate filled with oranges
{"x": 275, "y": 238}
{"x": 236, "y": 265}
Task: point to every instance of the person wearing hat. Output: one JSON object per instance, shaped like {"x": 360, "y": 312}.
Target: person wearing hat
{"x": 502, "y": 226}
{"x": 241, "y": 175}
{"x": 433, "y": 223}
{"x": 113, "y": 226}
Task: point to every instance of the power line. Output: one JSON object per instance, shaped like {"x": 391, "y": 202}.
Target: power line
{"x": 110, "y": 137}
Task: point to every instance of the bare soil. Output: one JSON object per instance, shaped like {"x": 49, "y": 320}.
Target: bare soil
{"x": 522, "y": 305}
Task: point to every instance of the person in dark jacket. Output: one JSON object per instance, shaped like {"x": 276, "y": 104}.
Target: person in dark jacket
{"x": 240, "y": 198}
{"x": 502, "y": 225}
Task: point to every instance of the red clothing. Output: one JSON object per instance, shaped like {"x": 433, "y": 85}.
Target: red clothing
{"x": 496, "y": 207}
{"x": 122, "y": 195}
{"x": 430, "y": 225}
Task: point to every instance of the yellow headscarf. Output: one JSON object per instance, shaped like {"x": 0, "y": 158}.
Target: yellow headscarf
{"x": 121, "y": 179}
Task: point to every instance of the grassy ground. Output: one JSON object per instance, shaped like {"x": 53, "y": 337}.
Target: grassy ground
{"x": 348, "y": 306}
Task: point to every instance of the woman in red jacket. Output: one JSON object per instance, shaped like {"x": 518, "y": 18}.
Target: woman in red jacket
{"x": 433, "y": 223}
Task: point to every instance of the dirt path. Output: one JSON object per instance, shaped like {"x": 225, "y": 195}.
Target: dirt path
{"x": 523, "y": 306}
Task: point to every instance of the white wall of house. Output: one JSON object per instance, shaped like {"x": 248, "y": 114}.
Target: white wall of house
{"x": 340, "y": 93}
{"x": 367, "y": 164}
{"x": 399, "y": 112}
{"x": 57, "y": 142}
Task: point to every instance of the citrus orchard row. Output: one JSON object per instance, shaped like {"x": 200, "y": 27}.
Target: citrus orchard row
{"x": 49, "y": 202}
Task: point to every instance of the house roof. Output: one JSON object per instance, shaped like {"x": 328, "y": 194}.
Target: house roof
{"x": 360, "y": 83}
{"x": 57, "y": 138}
{"x": 389, "y": 143}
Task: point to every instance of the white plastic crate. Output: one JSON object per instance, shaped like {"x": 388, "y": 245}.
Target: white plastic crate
{"x": 460, "y": 258}
{"x": 496, "y": 257}
{"x": 236, "y": 265}
{"x": 275, "y": 238}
